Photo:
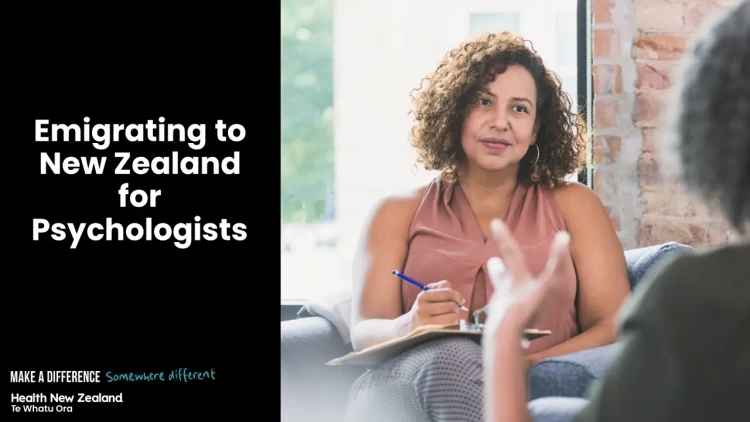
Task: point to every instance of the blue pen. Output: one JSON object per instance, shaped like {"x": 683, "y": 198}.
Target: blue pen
{"x": 408, "y": 279}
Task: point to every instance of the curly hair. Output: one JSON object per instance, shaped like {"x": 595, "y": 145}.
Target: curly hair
{"x": 441, "y": 107}
{"x": 711, "y": 123}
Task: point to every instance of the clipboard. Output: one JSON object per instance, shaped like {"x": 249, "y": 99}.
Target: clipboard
{"x": 379, "y": 353}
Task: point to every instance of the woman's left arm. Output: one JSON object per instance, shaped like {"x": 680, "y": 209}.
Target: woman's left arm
{"x": 600, "y": 267}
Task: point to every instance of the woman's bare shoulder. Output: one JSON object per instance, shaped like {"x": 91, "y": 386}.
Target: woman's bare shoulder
{"x": 577, "y": 199}
{"x": 399, "y": 207}
{"x": 581, "y": 207}
{"x": 574, "y": 191}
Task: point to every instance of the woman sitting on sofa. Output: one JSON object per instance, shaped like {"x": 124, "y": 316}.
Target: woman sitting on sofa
{"x": 686, "y": 332}
{"x": 498, "y": 127}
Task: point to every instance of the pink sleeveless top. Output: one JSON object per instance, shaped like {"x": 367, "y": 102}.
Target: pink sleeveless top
{"x": 446, "y": 243}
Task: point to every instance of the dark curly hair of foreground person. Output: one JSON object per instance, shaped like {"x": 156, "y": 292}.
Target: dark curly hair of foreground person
{"x": 441, "y": 106}
{"x": 712, "y": 118}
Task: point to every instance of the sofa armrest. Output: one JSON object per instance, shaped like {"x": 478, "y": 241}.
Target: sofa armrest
{"x": 310, "y": 390}
{"x": 642, "y": 261}
{"x": 571, "y": 375}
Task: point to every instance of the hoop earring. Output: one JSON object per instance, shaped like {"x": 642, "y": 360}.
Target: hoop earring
{"x": 537, "y": 155}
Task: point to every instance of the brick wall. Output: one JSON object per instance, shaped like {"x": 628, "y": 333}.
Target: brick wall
{"x": 637, "y": 44}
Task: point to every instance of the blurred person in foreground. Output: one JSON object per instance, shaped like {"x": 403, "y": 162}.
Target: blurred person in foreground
{"x": 686, "y": 331}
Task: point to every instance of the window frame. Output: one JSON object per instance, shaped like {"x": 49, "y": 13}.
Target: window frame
{"x": 585, "y": 83}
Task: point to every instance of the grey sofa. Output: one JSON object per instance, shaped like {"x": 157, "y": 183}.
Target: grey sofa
{"x": 311, "y": 391}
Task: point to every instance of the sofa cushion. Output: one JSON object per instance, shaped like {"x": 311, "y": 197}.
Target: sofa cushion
{"x": 336, "y": 307}
{"x": 571, "y": 375}
{"x": 644, "y": 260}
{"x": 310, "y": 390}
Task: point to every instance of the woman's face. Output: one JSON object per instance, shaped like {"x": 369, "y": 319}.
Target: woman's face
{"x": 499, "y": 127}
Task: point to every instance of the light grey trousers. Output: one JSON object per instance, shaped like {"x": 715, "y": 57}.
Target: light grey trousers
{"x": 441, "y": 380}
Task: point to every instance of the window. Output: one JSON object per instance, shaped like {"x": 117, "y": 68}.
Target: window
{"x": 565, "y": 22}
{"x": 494, "y": 22}
{"x": 347, "y": 70}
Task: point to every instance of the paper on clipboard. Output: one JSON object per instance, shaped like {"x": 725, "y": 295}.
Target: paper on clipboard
{"x": 379, "y": 353}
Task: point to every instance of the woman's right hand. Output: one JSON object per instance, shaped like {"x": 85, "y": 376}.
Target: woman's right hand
{"x": 437, "y": 306}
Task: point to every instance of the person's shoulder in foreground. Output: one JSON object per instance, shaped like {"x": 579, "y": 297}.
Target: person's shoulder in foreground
{"x": 686, "y": 353}
{"x": 693, "y": 283}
